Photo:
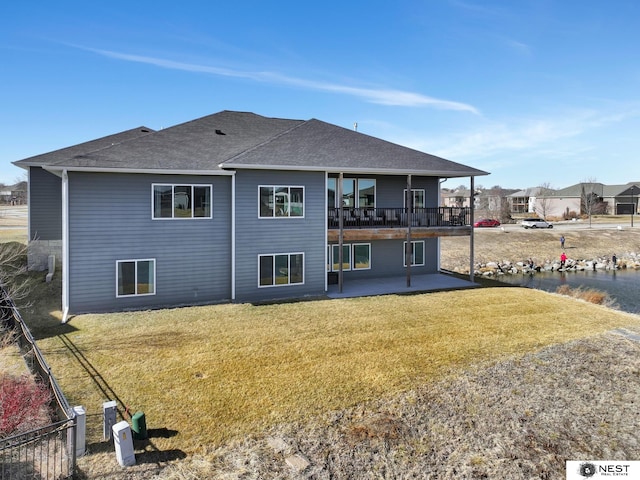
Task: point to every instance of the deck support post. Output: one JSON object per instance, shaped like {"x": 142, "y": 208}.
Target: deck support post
{"x": 472, "y": 203}
{"x": 341, "y": 230}
{"x": 408, "y": 247}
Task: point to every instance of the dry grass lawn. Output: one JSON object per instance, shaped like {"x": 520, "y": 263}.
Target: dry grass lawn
{"x": 210, "y": 377}
{"x": 490, "y": 383}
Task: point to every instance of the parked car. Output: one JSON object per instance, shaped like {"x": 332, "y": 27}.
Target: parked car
{"x": 535, "y": 223}
{"x": 487, "y": 222}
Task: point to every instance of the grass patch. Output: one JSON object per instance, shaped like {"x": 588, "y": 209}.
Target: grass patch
{"x": 590, "y": 295}
{"x": 13, "y": 235}
{"x": 217, "y": 373}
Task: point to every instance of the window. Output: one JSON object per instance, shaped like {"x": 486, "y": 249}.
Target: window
{"x": 356, "y": 192}
{"x": 181, "y": 201}
{"x": 355, "y": 256}
{"x": 281, "y": 201}
{"x": 366, "y": 193}
{"x": 280, "y": 269}
{"x": 135, "y": 277}
{"x": 418, "y": 197}
{"x": 346, "y": 257}
{"x": 417, "y": 253}
{"x": 361, "y": 256}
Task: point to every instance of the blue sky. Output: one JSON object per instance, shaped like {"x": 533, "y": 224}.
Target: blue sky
{"x": 533, "y": 91}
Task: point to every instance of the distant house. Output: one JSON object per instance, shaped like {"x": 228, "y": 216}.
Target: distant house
{"x": 14, "y": 195}
{"x": 524, "y": 201}
{"x": 460, "y": 197}
{"x": 579, "y": 199}
{"x": 235, "y": 207}
{"x": 593, "y": 197}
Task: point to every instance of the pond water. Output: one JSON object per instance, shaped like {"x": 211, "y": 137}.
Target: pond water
{"x": 622, "y": 285}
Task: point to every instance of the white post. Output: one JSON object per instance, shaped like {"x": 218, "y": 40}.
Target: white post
{"x": 123, "y": 443}
{"x": 81, "y": 430}
{"x": 109, "y": 418}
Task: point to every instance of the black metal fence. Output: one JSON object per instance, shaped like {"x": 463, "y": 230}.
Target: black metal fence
{"x": 44, "y": 453}
{"x": 398, "y": 217}
{"x": 48, "y": 452}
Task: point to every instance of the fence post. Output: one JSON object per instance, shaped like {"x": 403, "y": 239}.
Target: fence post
{"x": 81, "y": 428}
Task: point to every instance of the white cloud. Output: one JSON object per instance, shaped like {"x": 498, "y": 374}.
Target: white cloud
{"x": 381, "y": 96}
{"x": 521, "y": 135}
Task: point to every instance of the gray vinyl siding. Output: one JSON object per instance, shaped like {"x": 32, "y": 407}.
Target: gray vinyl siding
{"x": 390, "y": 190}
{"x": 45, "y": 205}
{"x": 110, "y": 219}
{"x": 387, "y": 259}
{"x": 256, "y": 236}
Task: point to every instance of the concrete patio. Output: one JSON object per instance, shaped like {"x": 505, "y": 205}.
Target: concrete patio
{"x": 398, "y": 285}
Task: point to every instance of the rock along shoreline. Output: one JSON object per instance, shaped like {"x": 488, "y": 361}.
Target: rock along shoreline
{"x": 506, "y": 267}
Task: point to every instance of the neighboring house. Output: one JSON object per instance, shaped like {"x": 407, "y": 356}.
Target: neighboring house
{"x": 524, "y": 201}
{"x": 591, "y": 198}
{"x": 235, "y": 207}
{"x": 493, "y": 203}
{"x": 14, "y": 195}
{"x": 456, "y": 198}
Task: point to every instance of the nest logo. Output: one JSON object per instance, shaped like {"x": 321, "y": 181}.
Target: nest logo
{"x": 577, "y": 470}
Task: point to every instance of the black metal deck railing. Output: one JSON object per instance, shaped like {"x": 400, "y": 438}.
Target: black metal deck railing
{"x": 398, "y": 217}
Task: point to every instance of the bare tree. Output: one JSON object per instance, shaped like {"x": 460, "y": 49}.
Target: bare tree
{"x": 543, "y": 200}
{"x": 591, "y": 201}
{"x": 14, "y": 282}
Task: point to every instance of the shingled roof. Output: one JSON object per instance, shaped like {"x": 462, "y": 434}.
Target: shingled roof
{"x": 233, "y": 140}
{"x": 78, "y": 151}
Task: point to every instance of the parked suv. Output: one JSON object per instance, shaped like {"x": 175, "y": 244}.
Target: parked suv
{"x": 535, "y": 223}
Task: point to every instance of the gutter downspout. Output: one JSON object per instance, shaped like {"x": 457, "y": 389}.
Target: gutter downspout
{"x": 65, "y": 246}
{"x": 233, "y": 237}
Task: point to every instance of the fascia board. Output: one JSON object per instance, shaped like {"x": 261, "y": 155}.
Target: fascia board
{"x": 58, "y": 171}
{"x": 370, "y": 171}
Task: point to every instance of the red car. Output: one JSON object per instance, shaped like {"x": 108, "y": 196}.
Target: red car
{"x": 487, "y": 222}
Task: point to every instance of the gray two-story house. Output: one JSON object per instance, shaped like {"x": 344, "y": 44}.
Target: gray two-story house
{"x": 235, "y": 207}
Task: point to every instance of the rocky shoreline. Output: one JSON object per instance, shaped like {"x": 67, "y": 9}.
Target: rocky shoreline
{"x": 507, "y": 267}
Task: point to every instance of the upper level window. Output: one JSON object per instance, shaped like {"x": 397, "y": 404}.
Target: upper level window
{"x": 356, "y": 192}
{"x": 281, "y": 201}
{"x": 417, "y": 197}
{"x": 181, "y": 201}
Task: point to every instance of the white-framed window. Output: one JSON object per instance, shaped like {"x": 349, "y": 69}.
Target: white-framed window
{"x": 417, "y": 253}
{"x": 356, "y": 256}
{"x": 178, "y": 201}
{"x": 418, "y": 197}
{"x": 356, "y": 192}
{"x": 346, "y": 257}
{"x": 279, "y": 201}
{"x": 279, "y": 269}
{"x": 361, "y": 256}
{"x": 135, "y": 277}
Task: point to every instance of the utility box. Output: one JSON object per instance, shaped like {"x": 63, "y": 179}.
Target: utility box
{"x": 109, "y": 411}
{"x": 81, "y": 430}
{"x": 139, "y": 426}
{"x": 123, "y": 443}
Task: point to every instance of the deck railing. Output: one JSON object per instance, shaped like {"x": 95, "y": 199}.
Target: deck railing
{"x": 398, "y": 217}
